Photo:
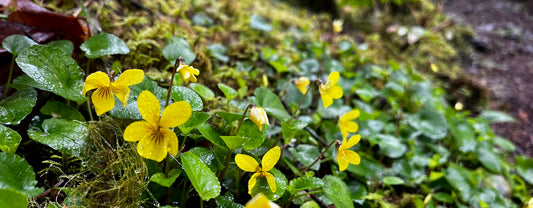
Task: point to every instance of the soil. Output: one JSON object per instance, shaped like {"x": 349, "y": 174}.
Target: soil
{"x": 502, "y": 60}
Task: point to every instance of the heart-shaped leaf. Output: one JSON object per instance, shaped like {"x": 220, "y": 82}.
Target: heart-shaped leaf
{"x": 205, "y": 182}
{"x": 12, "y": 198}
{"x": 180, "y": 93}
{"x": 14, "y": 108}
{"x": 58, "y": 109}
{"x": 337, "y": 191}
{"x": 195, "y": 120}
{"x": 165, "y": 181}
{"x": 430, "y": 122}
{"x": 104, "y": 44}
{"x": 229, "y": 92}
{"x": 62, "y": 135}
{"x": 9, "y": 139}
{"x": 178, "y": 47}
{"x": 269, "y": 101}
{"x": 17, "y": 175}
{"x": 15, "y": 44}
{"x": 306, "y": 154}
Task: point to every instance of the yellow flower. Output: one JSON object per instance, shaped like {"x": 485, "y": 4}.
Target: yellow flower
{"x": 154, "y": 134}
{"x": 337, "y": 26}
{"x": 258, "y": 116}
{"x": 260, "y": 201}
{"x": 188, "y": 73}
{"x": 330, "y": 90}
{"x": 248, "y": 164}
{"x": 302, "y": 84}
{"x": 346, "y": 125}
{"x": 345, "y": 156}
{"x": 103, "y": 98}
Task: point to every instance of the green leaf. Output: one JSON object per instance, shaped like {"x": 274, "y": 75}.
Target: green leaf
{"x": 131, "y": 111}
{"x": 269, "y": 101}
{"x": 53, "y": 70}
{"x": 13, "y": 198}
{"x": 392, "y": 180}
{"x": 162, "y": 180}
{"x": 202, "y": 178}
{"x": 234, "y": 142}
{"x": 369, "y": 168}
{"x": 207, "y": 156}
{"x": 458, "y": 177}
{"x": 104, "y": 44}
{"x": 337, "y": 191}
{"x": 202, "y": 90}
{"x": 15, "y": 44}
{"x": 211, "y": 134}
{"x": 389, "y": 145}
{"x": 227, "y": 201}
{"x": 496, "y": 117}
{"x": 524, "y": 167}
{"x": 489, "y": 159}
{"x": 258, "y": 23}
{"x": 306, "y": 154}
{"x": 280, "y": 67}
{"x": 504, "y": 143}
{"x": 367, "y": 93}
{"x": 17, "y": 175}
{"x": 62, "y": 135}
{"x": 310, "y": 204}
{"x": 14, "y": 108}
{"x": 64, "y": 45}
{"x": 430, "y": 122}
{"x": 176, "y": 48}
{"x": 254, "y": 137}
{"x": 180, "y": 93}
{"x": 262, "y": 185}
{"x": 58, "y": 109}
{"x": 195, "y": 120}
{"x": 202, "y": 19}
{"x": 9, "y": 139}
{"x": 310, "y": 66}
{"x": 229, "y": 117}
{"x": 218, "y": 51}
{"x": 229, "y": 92}
{"x": 303, "y": 183}
{"x": 289, "y": 130}
{"x": 463, "y": 134}
{"x": 443, "y": 197}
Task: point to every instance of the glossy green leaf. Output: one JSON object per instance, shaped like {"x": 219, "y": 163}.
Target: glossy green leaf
{"x": 309, "y": 65}
{"x": 496, "y": 117}
{"x": 337, "y": 191}
{"x": 234, "y": 142}
{"x": 306, "y": 154}
{"x": 12, "y": 198}
{"x": 218, "y": 51}
{"x": 310, "y": 204}
{"x": 58, "y": 109}
{"x": 458, "y": 177}
{"x": 443, "y": 197}
{"x": 524, "y": 167}
{"x": 165, "y": 181}
{"x": 269, "y": 101}
{"x": 290, "y": 130}
{"x": 15, "y": 44}
{"x": 206, "y": 156}
{"x": 430, "y": 122}
{"x": 489, "y": 159}
{"x": 259, "y": 23}
{"x": 104, "y": 44}
{"x": 392, "y": 180}
{"x": 304, "y": 183}
{"x": 202, "y": 90}
{"x": 195, "y": 120}
{"x": 131, "y": 111}
{"x": 53, "y": 70}
{"x": 205, "y": 182}
{"x": 504, "y": 143}
{"x": 463, "y": 134}
{"x": 62, "y": 135}
{"x": 367, "y": 93}
{"x": 17, "y": 175}
{"x": 9, "y": 139}
{"x": 262, "y": 185}
{"x": 280, "y": 67}
{"x": 229, "y": 92}
{"x": 369, "y": 168}
{"x": 254, "y": 137}
{"x": 227, "y": 201}
{"x": 178, "y": 47}
{"x": 211, "y": 134}
{"x": 389, "y": 145}
{"x": 180, "y": 93}
{"x": 16, "y": 107}
{"x": 64, "y": 45}
{"x": 229, "y": 117}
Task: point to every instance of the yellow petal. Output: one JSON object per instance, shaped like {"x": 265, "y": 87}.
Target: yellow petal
{"x": 171, "y": 140}
{"x": 302, "y": 84}
{"x": 259, "y": 117}
{"x": 176, "y": 114}
{"x": 130, "y": 77}
{"x": 188, "y": 73}
{"x": 95, "y": 80}
{"x": 341, "y": 159}
{"x": 333, "y": 77}
{"x": 138, "y": 130}
{"x": 335, "y": 92}
{"x": 353, "y": 140}
{"x": 271, "y": 158}
{"x": 247, "y": 163}
{"x": 350, "y": 115}
{"x": 152, "y": 147}
{"x": 122, "y": 92}
{"x": 326, "y": 100}
{"x": 149, "y": 107}
{"x": 259, "y": 201}
{"x": 252, "y": 181}
{"x": 352, "y": 157}
{"x": 103, "y": 100}
{"x": 271, "y": 181}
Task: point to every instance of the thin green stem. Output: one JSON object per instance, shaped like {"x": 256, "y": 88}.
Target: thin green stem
{"x": 242, "y": 118}
{"x": 89, "y": 110}
{"x": 166, "y": 170}
{"x": 177, "y": 63}
{"x": 302, "y": 194}
{"x": 319, "y": 157}
{"x": 183, "y": 144}
{"x": 9, "y": 76}
{"x": 226, "y": 163}
{"x": 301, "y": 101}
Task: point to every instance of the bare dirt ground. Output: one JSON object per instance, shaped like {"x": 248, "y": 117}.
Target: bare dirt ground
{"x": 502, "y": 60}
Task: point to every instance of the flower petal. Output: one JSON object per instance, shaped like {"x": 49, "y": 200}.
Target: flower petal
{"x": 95, "y": 80}
{"x": 302, "y": 84}
{"x": 353, "y": 140}
{"x": 259, "y": 116}
{"x": 259, "y": 200}
{"x": 138, "y": 130}
{"x": 122, "y": 92}
{"x": 326, "y": 100}
{"x": 252, "y": 181}
{"x": 171, "y": 140}
{"x": 152, "y": 148}
{"x": 176, "y": 114}
{"x": 103, "y": 100}
{"x": 130, "y": 77}
{"x": 270, "y": 158}
{"x": 149, "y": 107}
{"x": 333, "y": 77}
{"x": 352, "y": 157}
{"x": 271, "y": 181}
{"x": 341, "y": 159}
{"x": 247, "y": 163}
{"x": 335, "y": 92}
{"x": 350, "y": 115}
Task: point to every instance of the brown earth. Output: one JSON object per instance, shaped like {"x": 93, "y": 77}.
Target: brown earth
{"x": 502, "y": 60}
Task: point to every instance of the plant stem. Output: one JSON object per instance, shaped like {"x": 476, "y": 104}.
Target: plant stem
{"x": 304, "y": 194}
{"x": 167, "y": 166}
{"x": 9, "y": 77}
{"x": 301, "y": 101}
{"x": 243, "y": 116}
{"x": 176, "y": 65}
{"x": 226, "y": 162}
{"x": 183, "y": 144}
{"x": 319, "y": 157}
{"x": 89, "y": 110}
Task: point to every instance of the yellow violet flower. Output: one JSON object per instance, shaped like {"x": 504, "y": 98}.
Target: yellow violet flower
{"x": 337, "y": 26}
{"x": 259, "y": 116}
{"x": 260, "y": 201}
{"x": 154, "y": 134}
{"x": 346, "y": 123}
{"x": 188, "y": 73}
{"x": 103, "y": 98}
{"x": 302, "y": 84}
{"x": 249, "y": 164}
{"x": 345, "y": 156}
{"x": 330, "y": 90}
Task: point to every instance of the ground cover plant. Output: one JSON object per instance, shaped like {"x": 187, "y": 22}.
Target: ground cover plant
{"x": 248, "y": 104}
